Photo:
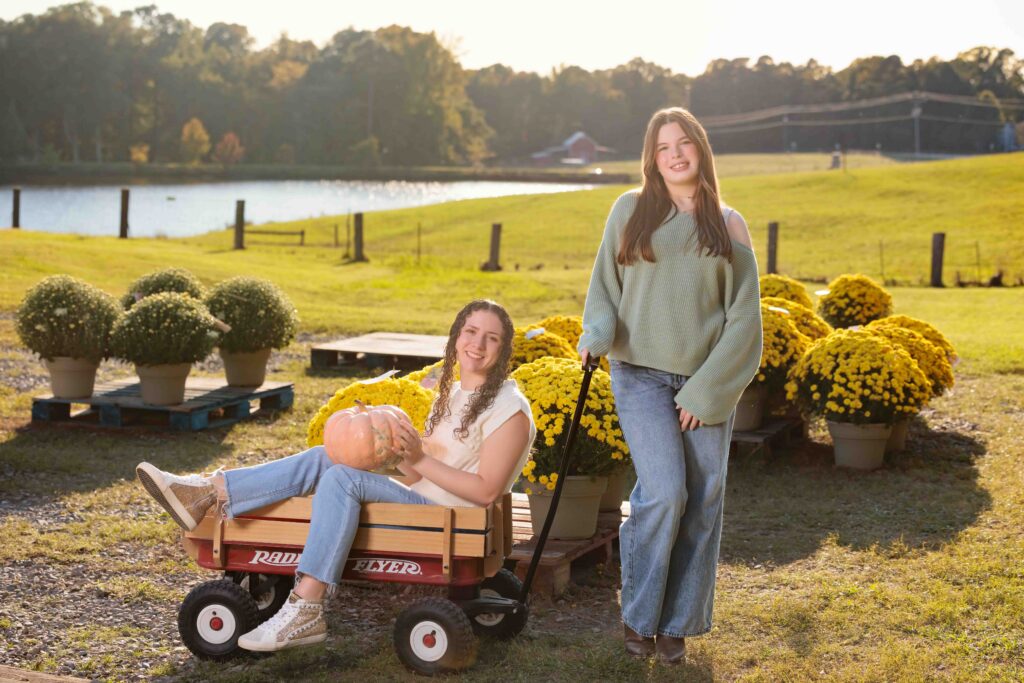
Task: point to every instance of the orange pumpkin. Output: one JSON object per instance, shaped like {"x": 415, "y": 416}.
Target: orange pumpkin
{"x": 364, "y": 437}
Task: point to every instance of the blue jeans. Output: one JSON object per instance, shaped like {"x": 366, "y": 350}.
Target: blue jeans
{"x": 340, "y": 492}
{"x": 669, "y": 544}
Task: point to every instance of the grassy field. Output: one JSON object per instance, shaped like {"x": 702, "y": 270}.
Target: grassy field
{"x": 730, "y": 165}
{"x": 909, "y": 573}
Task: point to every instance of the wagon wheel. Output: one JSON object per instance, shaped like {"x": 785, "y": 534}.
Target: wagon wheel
{"x": 504, "y": 584}
{"x": 270, "y": 591}
{"x": 433, "y": 635}
{"x": 212, "y": 617}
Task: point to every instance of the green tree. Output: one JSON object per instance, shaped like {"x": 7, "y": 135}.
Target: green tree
{"x": 195, "y": 142}
{"x": 229, "y": 150}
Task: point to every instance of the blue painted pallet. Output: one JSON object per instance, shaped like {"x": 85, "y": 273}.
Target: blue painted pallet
{"x": 209, "y": 402}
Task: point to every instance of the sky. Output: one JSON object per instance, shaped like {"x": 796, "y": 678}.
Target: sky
{"x": 533, "y": 35}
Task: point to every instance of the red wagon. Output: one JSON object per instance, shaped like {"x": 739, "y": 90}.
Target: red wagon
{"x": 460, "y": 548}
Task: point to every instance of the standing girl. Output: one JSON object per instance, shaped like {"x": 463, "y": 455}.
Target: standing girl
{"x": 674, "y": 303}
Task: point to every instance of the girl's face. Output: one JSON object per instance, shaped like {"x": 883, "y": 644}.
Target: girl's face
{"x": 479, "y": 343}
{"x": 677, "y": 156}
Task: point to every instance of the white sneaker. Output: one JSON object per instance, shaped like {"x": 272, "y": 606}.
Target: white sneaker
{"x": 186, "y": 498}
{"x": 297, "y": 623}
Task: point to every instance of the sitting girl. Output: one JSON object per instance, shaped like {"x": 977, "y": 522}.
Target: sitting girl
{"x": 477, "y": 440}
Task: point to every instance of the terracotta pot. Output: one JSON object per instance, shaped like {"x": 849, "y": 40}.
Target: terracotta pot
{"x": 576, "y": 516}
{"x": 613, "y": 496}
{"x": 857, "y": 446}
{"x": 898, "y": 438}
{"x": 750, "y": 409}
{"x": 246, "y": 369}
{"x": 71, "y": 377}
{"x": 163, "y": 385}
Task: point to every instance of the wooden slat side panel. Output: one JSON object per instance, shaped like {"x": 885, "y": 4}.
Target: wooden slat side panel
{"x": 274, "y": 532}
{"x": 506, "y": 502}
{"x": 396, "y": 514}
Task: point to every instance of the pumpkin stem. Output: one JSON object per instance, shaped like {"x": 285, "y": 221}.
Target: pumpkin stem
{"x": 362, "y": 406}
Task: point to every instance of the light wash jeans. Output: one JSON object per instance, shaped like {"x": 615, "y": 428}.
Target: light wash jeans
{"x": 340, "y": 492}
{"x": 669, "y": 544}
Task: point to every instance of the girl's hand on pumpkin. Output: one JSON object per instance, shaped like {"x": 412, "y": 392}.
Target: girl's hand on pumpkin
{"x": 410, "y": 443}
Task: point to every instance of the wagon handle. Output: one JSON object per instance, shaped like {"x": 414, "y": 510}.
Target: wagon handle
{"x": 563, "y": 468}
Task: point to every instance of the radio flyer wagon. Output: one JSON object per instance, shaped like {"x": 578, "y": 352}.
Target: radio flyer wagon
{"x": 462, "y": 549}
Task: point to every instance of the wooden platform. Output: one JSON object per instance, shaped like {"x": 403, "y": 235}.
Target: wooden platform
{"x": 776, "y": 431}
{"x": 555, "y": 568}
{"x": 389, "y": 349}
{"x": 10, "y": 674}
{"x": 209, "y": 402}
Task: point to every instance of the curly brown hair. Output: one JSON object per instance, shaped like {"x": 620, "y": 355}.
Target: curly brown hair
{"x": 484, "y": 397}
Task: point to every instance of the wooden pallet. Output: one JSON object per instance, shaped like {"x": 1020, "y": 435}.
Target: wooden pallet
{"x": 9, "y": 674}
{"x": 776, "y": 431}
{"x": 209, "y": 402}
{"x": 555, "y": 568}
{"x": 389, "y": 349}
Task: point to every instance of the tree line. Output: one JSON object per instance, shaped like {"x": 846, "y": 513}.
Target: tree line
{"x": 79, "y": 82}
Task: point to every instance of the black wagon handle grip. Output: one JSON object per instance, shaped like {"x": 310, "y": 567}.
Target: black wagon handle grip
{"x": 563, "y": 468}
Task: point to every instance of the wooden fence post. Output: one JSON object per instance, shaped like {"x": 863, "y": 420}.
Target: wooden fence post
{"x": 359, "y": 255}
{"x": 493, "y": 263}
{"x": 335, "y": 235}
{"x": 124, "y": 213}
{"x": 16, "y": 213}
{"x": 773, "y": 246}
{"x": 240, "y": 224}
{"x": 938, "y": 248}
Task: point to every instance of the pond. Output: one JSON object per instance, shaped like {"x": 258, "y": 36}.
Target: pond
{"x": 178, "y": 210}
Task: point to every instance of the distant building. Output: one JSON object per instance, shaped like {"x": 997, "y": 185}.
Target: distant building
{"x": 579, "y": 149}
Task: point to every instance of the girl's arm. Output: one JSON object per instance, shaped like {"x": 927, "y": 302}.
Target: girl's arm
{"x": 601, "y": 310}
{"x": 499, "y": 456}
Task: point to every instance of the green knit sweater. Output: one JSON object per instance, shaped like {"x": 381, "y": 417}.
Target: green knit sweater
{"x": 692, "y": 315}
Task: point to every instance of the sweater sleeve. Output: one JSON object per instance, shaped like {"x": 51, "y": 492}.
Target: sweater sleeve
{"x": 713, "y": 391}
{"x": 601, "y": 310}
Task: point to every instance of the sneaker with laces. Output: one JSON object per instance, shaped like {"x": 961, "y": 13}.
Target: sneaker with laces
{"x": 186, "y": 498}
{"x": 297, "y": 623}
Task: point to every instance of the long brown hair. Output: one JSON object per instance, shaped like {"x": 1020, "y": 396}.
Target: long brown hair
{"x": 654, "y": 206}
{"x": 483, "y": 398}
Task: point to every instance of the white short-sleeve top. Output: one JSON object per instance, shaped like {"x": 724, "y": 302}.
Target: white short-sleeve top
{"x": 465, "y": 455}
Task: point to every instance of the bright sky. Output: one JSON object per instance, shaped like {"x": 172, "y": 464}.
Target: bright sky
{"x": 537, "y": 35}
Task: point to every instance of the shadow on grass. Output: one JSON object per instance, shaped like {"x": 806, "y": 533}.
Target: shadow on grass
{"x": 780, "y": 511}
{"x": 54, "y": 460}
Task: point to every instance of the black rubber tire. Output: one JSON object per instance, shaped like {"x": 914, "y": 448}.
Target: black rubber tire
{"x": 502, "y": 626}
{"x": 228, "y": 595}
{"x": 277, "y": 587}
{"x": 457, "y": 631}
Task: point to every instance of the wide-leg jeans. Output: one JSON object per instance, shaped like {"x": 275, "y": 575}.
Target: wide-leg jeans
{"x": 340, "y": 492}
{"x": 669, "y": 544}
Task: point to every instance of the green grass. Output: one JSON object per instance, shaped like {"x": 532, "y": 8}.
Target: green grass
{"x": 730, "y": 165}
{"x": 909, "y": 573}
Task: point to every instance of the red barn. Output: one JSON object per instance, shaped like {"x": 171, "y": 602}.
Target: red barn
{"x": 578, "y": 149}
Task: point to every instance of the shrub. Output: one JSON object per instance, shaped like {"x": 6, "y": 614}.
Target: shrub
{"x": 859, "y": 377}
{"x": 854, "y": 300}
{"x": 809, "y": 323}
{"x": 926, "y": 330}
{"x": 930, "y": 358}
{"x": 166, "y": 280}
{"x": 261, "y": 316}
{"x": 530, "y": 345}
{"x": 783, "y": 346}
{"x": 401, "y": 392}
{"x": 165, "y": 328}
{"x": 64, "y": 316}
{"x": 785, "y": 288}
{"x": 551, "y": 384}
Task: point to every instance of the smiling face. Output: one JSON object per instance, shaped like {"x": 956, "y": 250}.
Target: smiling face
{"x": 677, "y": 156}
{"x": 479, "y": 343}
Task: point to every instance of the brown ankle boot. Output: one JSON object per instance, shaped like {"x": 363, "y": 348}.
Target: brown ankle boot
{"x": 636, "y": 644}
{"x": 671, "y": 650}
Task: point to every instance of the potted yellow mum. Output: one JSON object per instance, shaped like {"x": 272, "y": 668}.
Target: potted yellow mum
{"x": 854, "y": 300}
{"x": 783, "y": 345}
{"x": 550, "y": 383}
{"x": 861, "y": 383}
{"x": 929, "y": 357}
